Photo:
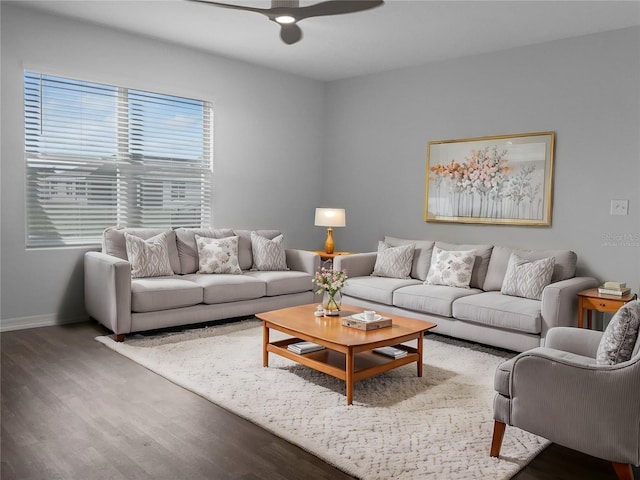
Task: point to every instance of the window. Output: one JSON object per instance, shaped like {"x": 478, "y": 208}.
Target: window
{"x": 100, "y": 155}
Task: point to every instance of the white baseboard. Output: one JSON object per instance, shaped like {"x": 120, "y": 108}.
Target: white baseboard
{"x": 35, "y": 321}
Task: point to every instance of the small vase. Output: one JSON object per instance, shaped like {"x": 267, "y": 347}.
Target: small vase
{"x": 331, "y": 302}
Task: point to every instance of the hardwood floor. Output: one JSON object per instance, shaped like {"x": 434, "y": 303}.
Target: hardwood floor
{"x": 73, "y": 409}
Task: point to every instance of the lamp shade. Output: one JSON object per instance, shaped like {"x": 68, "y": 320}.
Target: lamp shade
{"x": 330, "y": 217}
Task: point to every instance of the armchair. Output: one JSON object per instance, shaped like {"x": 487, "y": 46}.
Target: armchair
{"x": 563, "y": 392}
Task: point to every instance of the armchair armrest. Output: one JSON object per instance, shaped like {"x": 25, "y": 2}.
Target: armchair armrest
{"x": 357, "y": 264}
{"x": 560, "y": 303}
{"x": 107, "y": 291}
{"x": 302, "y": 260}
{"x": 570, "y": 401}
{"x": 575, "y": 340}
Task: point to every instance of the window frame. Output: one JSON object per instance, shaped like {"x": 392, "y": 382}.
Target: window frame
{"x": 132, "y": 170}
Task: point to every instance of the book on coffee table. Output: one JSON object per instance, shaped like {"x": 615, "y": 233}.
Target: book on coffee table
{"x": 393, "y": 352}
{"x": 304, "y": 347}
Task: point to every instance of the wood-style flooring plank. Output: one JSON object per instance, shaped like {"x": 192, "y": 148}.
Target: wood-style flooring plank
{"x": 74, "y": 409}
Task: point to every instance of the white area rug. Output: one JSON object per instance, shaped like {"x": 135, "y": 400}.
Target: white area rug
{"x": 399, "y": 426}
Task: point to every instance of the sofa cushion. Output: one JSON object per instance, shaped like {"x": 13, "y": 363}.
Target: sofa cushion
{"x": 163, "y": 293}
{"x": 502, "y": 311}
{"x": 451, "y": 267}
{"x": 150, "y": 257}
{"x": 188, "y": 249}
{"x": 434, "y": 299}
{"x": 563, "y": 269}
{"x": 245, "y": 255}
{"x": 376, "y": 289}
{"x": 421, "y": 255}
{"x": 483, "y": 254}
{"x": 228, "y": 288}
{"x": 393, "y": 262}
{"x": 268, "y": 254}
{"x": 218, "y": 255}
{"x": 113, "y": 242}
{"x": 284, "y": 282}
{"x": 526, "y": 278}
{"x": 619, "y": 339}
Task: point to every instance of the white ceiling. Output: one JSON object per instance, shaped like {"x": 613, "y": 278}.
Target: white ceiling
{"x": 398, "y": 34}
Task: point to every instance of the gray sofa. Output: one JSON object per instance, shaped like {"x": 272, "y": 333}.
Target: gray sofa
{"x": 479, "y": 313}
{"x": 125, "y": 304}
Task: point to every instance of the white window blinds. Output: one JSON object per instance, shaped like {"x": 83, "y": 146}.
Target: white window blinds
{"x": 99, "y": 155}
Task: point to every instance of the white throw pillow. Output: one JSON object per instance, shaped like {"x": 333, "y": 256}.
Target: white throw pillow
{"x": 218, "y": 255}
{"x": 526, "y": 278}
{"x": 268, "y": 254}
{"x": 620, "y": 337}
{"x": 451, "y": 267}
{"x": 394, "y": 262}
{"x": 148, "y": 258}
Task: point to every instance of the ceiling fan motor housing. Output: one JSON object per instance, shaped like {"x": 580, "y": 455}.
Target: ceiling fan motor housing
{"x": 285, "y": 3}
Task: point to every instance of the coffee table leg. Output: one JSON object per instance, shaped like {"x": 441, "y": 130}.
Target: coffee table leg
{"x": 420, "y": 338}
{"x": 350, "y": 367}
{"x": 265, "y": 342}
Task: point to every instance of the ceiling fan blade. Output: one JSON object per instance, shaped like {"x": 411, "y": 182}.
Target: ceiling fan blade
{"x": 336, "y": 7}
{"x": 290, "y": 33}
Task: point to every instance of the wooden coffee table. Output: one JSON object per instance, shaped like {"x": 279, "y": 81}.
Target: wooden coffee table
{"x": 348, "y": 354}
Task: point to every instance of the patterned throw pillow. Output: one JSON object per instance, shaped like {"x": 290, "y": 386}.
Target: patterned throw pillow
{"x": 268, "y": 254}
{"x": 148, "y": 258}
{"x": 526, "y": 278}
{"x": 451, "y": 267}
{"x": 394, "y": 262}
{"x": 218, "y": 255}
{"x": 620, "y": 337}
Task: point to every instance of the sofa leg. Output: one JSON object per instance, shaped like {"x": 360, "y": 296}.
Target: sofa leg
{"x": 623, "y": 471}
{"x": 498, "y": 435}
{"x": 119, "y": 337}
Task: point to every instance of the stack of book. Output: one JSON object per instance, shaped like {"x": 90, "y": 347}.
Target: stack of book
{"x": 391, "y": 352}
{"x": 614, "y": 288}
{"x": 304, "y": 347}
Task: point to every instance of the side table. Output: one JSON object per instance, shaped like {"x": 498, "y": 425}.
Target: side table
{"x": 591, "y": 299}
{"x": 324, "y": 256}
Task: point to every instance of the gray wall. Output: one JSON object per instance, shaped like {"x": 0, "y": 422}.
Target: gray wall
{"x": 358, "y": 144}
{"x": 585, "y": 89}
{"x": 268, "y": 145}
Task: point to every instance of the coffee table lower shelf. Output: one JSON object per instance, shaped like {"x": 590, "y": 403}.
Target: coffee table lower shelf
{"x": 366, "y": 364}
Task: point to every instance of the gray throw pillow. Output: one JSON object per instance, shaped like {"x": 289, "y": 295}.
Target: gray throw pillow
{"x": 393, "y": 262}
{"x": 268, "y": 254}
{"x": 620, "y": 337}
{"x": 526, "y": 278}
{"x": 148, "y": 258}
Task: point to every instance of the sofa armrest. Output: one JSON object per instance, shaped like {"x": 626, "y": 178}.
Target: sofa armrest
{"x": 302, "y": 261}
{"x": 574, "y": 340}
{"x": 560, "y": 303}
{"x": 357, "y": 264}
{"x": 107, "y": 291}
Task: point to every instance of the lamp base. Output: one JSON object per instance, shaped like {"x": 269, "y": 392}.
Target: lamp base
{"x": 328, "y": 244}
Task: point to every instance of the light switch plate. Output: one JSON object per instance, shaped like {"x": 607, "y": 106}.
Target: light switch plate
{"x": 619, "y": 207}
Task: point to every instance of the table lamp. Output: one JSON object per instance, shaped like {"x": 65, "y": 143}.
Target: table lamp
{"x": 330, "y": 217}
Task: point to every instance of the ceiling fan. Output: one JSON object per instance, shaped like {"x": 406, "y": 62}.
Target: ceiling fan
{"x": 287, "y": 13}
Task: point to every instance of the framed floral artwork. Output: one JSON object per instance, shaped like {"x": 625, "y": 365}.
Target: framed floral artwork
{"x": 505, "y": 179}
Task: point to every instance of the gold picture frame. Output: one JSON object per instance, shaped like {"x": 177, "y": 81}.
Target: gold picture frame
{"x": 502, "y": 180}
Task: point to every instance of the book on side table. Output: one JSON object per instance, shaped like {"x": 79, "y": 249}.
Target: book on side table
{"x": 614, "y": 288}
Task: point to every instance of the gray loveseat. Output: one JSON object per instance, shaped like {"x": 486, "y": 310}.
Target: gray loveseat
{"x": 479, "y": 313}
{"x": 125, "y": 304}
